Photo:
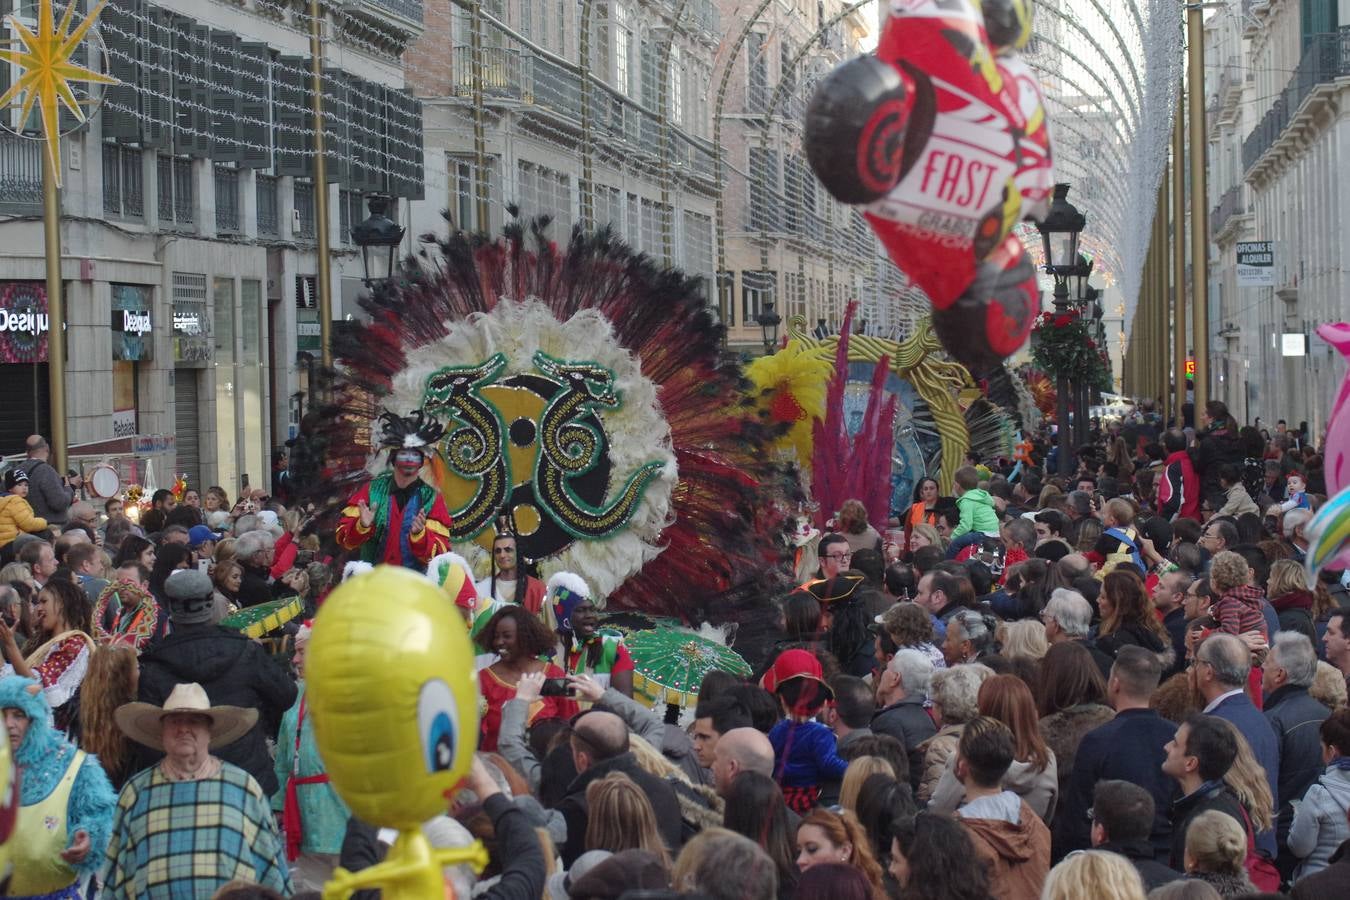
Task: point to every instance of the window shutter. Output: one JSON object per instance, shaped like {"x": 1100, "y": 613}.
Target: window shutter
{"x": 201, "y": 89}
{"x": 192, "y": 125}
{"x": 291, "y": 94}
{"x": 362, "y": 137}
{"x": 413, "y": 160}
{"x": 381, "y": 123}
{"x": 254, "y": 107}
{"x": 336, "y": 126}
{"x": 157, "y": 107}
{"x": 66, "y": 119}
{"x": 225, "y": 88}
{"x": 121, "y": 35}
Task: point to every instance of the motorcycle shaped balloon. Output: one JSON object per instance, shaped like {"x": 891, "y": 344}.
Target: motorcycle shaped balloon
{"x": 942, "y": 136}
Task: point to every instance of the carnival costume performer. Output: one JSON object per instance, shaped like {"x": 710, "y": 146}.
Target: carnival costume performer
{"x": 65, "y": 802}
{"x": 585, "y": 651}
{"x": 313, "y": 817}
{"x": 60, "y": 658}
{"x": 508, "y": 583}
{"x": 519, "y": 640}
{"x": 125, "y": 611}
{"x": 397, "y": 518}
{"x": 192, "y": 822}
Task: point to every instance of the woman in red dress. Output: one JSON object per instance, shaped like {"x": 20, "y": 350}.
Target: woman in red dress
{"x": 518, "y": 639}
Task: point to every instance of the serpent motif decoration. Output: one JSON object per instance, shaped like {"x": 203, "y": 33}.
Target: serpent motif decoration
{"x": 474, "y": 450}
{"x": 568, "y": 448}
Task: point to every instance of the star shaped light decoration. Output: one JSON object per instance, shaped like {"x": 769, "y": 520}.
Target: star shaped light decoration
{"x": 45, "y": 61}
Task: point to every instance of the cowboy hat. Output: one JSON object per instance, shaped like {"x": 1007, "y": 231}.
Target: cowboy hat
{"x": 141, "y": 721}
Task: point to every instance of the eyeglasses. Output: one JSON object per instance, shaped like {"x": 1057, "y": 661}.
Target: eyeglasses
{"x": 839, "y": 556}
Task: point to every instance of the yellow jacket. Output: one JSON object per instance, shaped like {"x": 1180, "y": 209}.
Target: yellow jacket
{"x": 16, "y": 516}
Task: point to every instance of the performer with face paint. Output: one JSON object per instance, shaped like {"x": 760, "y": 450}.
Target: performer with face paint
{"x": 397, "y": 518}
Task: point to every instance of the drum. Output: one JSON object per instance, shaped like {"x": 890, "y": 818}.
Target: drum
{"x": 256, "y": 621}
{"x": 104, "y": 481}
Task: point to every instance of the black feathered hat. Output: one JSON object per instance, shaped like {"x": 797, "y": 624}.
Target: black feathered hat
{"x": 415, "y": 431}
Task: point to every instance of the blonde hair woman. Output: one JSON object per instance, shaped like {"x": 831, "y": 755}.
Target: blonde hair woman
{"x": 1248, "y": 781}
{"x": 924, "y": 535}
{"x": 1216, "y": 848}
{"x": 1025, "y": 637}
{"x": 620, "y": 817}
{"x": 1096, "y": 874}
{"x": 857, "y": 772}
{"x": 699, "y": 804}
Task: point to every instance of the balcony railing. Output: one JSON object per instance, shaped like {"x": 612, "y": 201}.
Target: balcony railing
{"x": 1326, "y": 59}
{"x": 227, "y": 200}
{"x": 304, "y": 205}
{"x": 545, "y": 86}
{"x": 267, "y": 206}
{"x": 1231, "y": 204}
{"x": 20, "y": 174}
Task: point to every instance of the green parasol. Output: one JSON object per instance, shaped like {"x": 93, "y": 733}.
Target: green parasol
{"x": 256, "y": 621}
{"x": 670, "y": 663}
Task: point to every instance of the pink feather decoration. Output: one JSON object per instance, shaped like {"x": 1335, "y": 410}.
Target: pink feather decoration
{"x": 856, "y": 467}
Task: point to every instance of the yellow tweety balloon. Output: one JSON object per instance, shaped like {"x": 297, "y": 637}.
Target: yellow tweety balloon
{"x": 392, "y": 694}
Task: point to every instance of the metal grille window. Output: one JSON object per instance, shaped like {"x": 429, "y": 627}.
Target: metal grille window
{"x": 191, "y": 326}
{"x": 609, "y": 208}
{"x": 177, "y": 201}
{"x": 757, "y": 86}
{"x": 765, "y": 201}
{"x": 304, "y": 209}
{"x": 757, "y": 288}
{"x": 227, "y": 200}
{"x": 267, "y": 205}
{"x": 123, "y": 187}
{"x": 698, "y": 249}
{"x": 542, "y": 191}
{"x": 20, "y": 174}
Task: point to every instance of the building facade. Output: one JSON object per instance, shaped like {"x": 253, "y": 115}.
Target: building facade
{"x": 188, "y": 229}
{"x": 1279, "y": 79}
{"x": 601, "y": 122}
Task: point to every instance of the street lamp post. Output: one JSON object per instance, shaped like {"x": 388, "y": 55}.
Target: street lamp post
{"x": 1086, "y": 295}
{"x": 769, "y": 321}
{"x": 379, "y": 238}
{"x": 1059, "y": 238}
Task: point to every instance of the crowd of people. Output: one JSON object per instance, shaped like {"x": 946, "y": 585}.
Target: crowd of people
{"x": 1115, "y": 684}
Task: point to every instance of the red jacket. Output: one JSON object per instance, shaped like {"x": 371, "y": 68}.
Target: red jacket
{"x": 1179, "y": 488}
{"x": 383, "y": 541}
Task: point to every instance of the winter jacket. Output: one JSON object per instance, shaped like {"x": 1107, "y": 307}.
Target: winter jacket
{"x": 234, "y": 671}
{"x": 1012, "y": 841}
{"x": 662, "y": 796}
{"x": 977, "y": 513}
{"x": 1228, "y": 886}
{"x": 1138, "y": 636}
{"x": 1237, "y": 502}
{"x": 1127, "y": 748}
{"x": 936, "y": 751}
{"x": 16, "y": 516}
{"x": 1319, "y": 824}
{"x": 1038, "y": 787}
{"x": 1179, "y": 489}
{"x": 518, "y": 854}
{"x": 254, "y": 586}
{"x": 805, "y": 754}
{"x": 1243, "y": 715}
{"x": 1215, "y": 447}
{"x": 1064, "y": 730}
{"x": 48, "y": 496}
{"x": 1295, "y": 612}
{"x": 1297, "y": 719}
{"x": 1210, "y": 795}
{"x": 1140, "y": 854}
{"x": 909, "y": 723}
{"x": 1332, "y": 883}
{"x": 1240, "y": 610}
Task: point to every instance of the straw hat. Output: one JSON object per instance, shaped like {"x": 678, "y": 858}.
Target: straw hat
{"x": 141, "y": 721}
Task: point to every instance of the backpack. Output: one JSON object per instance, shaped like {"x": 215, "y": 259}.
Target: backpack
{"x": 1260, "y": 869}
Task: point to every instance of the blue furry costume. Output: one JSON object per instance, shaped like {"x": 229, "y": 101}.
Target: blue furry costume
{"x": 43, "y": 759}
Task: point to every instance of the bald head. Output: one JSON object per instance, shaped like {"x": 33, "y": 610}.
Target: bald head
{"x": 36, "y": 447}
{"x": 598, "y": 736}
{"x": 741, "y": 750}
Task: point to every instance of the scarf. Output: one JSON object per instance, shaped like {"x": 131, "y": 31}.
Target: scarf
{"x": 1340, "y": 763}
{"x": 1293, "y": 600}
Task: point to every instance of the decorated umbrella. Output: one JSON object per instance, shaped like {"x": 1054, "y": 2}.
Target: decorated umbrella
{"x": 670, "y": 664}
{"x": 624, "y": 622}
{"x": 256, "y": 621}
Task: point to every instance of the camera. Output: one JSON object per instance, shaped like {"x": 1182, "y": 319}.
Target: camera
{"x": 555, "y": 687}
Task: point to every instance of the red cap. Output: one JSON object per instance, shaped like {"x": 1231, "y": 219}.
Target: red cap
{"x": 796, "y": 663}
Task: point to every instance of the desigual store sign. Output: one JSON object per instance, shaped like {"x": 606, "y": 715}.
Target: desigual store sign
{"x": 24, "y": 324}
